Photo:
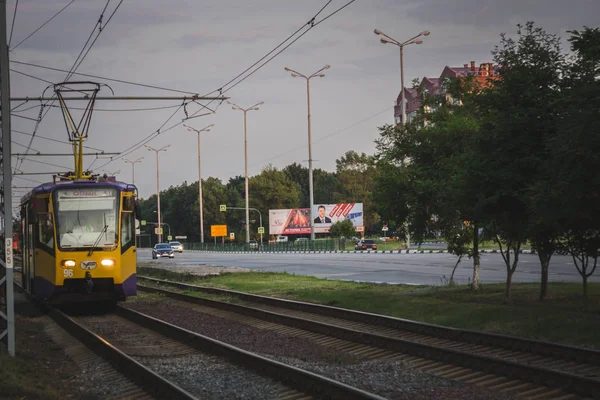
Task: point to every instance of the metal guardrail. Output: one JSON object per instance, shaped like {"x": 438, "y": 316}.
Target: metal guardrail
{"x": 303, "y": 245}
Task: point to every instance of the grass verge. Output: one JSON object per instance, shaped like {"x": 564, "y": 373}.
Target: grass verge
{"x": 564, "y": 318}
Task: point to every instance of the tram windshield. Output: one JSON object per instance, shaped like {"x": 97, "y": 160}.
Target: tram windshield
{"x": 86, "y": 217}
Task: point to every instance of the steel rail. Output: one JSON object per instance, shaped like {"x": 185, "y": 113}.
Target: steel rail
{"x": 578, "y": 353}
{"x": 302, "y": 380}
{"x": 513, "y": 369}
{"x": 155, "y": 384}
{"x": 146, "y": 379}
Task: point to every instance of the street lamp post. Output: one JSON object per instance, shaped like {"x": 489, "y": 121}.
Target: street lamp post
{"x": 255, "y": 108}
{"x": 164, "y": 148}
{"x": 414, "y": 40}
{"x": 310, "y": 159}
{"x": 133, "y": 167}
{"x": 205, "y": 129}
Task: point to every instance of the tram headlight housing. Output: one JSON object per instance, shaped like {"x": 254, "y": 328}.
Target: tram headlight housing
{"x": 108, "y": 262}
{"x": 68, "y": 263}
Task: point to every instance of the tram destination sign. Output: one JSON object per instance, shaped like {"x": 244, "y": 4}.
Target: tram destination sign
{"x": 85, "y": 193}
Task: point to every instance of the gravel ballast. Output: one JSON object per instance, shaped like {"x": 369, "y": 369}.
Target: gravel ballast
{"x": 391, "y": 379}
{"x": 203, "y": 375}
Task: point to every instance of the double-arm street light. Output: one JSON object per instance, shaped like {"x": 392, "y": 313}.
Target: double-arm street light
{"x": 133, "y": 167}
{"x": 245, "y": 110}
{"x": 414, "y": 40}
{"x": 296, "y": 74}
{"x": 205, "y": 129}
{"x": 164, "y": 148}
{"x": 111, "y": 173}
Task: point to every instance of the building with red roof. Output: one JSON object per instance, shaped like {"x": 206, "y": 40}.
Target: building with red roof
{"x": 483, "y": 73}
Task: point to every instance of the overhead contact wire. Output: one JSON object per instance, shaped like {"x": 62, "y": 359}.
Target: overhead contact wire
{"x": 44, "y": 24}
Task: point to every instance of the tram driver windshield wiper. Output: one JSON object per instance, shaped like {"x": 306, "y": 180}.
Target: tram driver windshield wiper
{"x": 97, "y": 240}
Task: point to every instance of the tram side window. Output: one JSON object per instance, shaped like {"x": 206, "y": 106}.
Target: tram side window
{"x": 126, "y": 228}
{"x": 46, "y": 230}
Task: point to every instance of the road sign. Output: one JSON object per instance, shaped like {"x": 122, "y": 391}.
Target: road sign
{"x": 261, "y": 229}
{"x": 158, "y": 231}
{"x": 218, "y": 230}
{"x": 169, "y": 237}
{"x": 223, "y": 207}
{"x": 143, "y": 222}
{"x": 385, "y": 229}
{"x": 232, "y": 236}
{"x": 180, "y": 237}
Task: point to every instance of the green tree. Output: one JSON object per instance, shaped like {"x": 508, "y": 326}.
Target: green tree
{"x": 299, "y": 175}
{"x": 459, "y": 238}
{"x": 426, "y": 174}
{"x": 272, "y": 189}
{"x": 179, "y": 206}
{"x": 390, "y": 190}
{"x": 575, "y": 154}
{"x": 327, "y": 187}
{"x": 356, "y": 175}
{"x": 343, "y": 228}
{"x": 235, "y": 220}
{"x": 520, "y": 113}
{"x": 214, "y": 194}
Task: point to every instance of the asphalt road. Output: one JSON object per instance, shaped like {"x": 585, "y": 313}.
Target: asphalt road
{"x": 429, "y": 269}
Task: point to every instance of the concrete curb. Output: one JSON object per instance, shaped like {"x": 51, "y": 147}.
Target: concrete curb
{"x": 348, "y": 252}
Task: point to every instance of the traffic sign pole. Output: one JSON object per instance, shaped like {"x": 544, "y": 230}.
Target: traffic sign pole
{"x": 224, "y": 207}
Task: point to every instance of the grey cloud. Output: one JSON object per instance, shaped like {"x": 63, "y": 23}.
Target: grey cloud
{"x": 494, "y": 13}
{"x": 208, "y": 37}
{"x": 69, "y": 30}
{"x": 200, "y": 45}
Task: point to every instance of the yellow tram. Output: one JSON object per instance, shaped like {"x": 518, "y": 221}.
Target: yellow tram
{"x": 78, "y": 234}
{"x": 79, "y": 241}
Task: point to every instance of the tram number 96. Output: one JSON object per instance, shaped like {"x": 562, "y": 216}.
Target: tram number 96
{"x": 68, "y": 273}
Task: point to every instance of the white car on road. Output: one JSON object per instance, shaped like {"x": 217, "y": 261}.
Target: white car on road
{"x": 176, "y": 246}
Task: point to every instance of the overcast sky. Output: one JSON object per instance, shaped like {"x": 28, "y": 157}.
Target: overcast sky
{"x": 197, "y": 46}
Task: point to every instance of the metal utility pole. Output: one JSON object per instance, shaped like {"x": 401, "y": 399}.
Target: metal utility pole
{"x": 414, "y": 40}
{"x": 164, "y": 148}
{"x": 253, "y": 209}
{"x": 7, "y": 332}
{"x": 133, "y": 167}
{"x": 200, "y": 204}
{"x": 310, "y": 159}
{"x": 254, "y": 107}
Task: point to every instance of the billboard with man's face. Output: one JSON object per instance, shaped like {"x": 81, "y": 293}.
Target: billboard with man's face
{"x": 296, "y": 221}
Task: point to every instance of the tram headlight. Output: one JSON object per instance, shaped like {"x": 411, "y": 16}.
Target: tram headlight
{"x": 68, "y": 263}
{"x": 108, "y": 262}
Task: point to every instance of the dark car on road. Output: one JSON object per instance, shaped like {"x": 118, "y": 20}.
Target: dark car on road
{"x": 365, "y": 244}
{"x": 162, "y": 250}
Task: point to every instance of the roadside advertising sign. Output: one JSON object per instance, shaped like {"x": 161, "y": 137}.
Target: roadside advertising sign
{"x": 296, "y": 221}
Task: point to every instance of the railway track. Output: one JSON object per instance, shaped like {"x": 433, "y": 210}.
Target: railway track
{"x": 130, "y": 340}
{"x": 528, "y": 368}
{"x": 151, "y": 339}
